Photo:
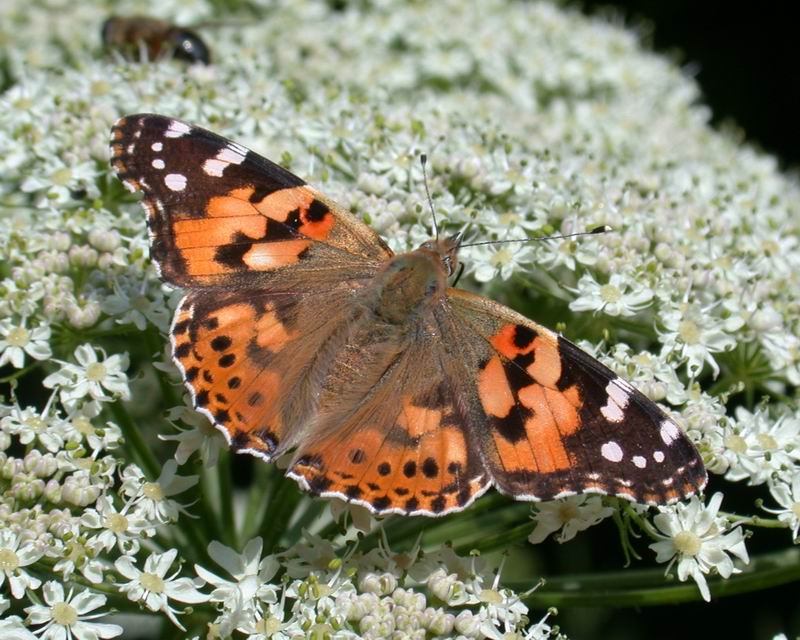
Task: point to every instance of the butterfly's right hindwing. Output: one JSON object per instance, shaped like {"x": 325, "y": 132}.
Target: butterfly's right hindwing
{"x": 558, "y": 422}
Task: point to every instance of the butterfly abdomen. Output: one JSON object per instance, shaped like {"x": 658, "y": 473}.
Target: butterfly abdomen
{"x": 408, "y": 286}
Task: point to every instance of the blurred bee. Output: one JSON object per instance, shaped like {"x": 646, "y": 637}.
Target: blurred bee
{"x": 138, "y": 37}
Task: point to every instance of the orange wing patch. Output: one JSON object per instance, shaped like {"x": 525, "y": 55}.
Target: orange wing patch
{"x": 531, "y": 416}
{"x": 225, "y": 354}
{"x": 422, "y": 465}
{"x": 241, "y": 232}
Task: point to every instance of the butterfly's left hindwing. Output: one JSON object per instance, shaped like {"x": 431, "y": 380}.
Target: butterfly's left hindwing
{"x": 558, "y": 422}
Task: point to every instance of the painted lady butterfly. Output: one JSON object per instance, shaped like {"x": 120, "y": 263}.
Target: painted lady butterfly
{"x": 302, "y": 332}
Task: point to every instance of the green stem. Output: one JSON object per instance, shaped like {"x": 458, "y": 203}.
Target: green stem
{"x": 44, "y": 570}
{"x": 639, "y": 587}
{"x": 154, "y": 344}
{"x": 116, "y": 330}
{"x": 226, "y": 499}
{"x": 468, "y": 532}
{"x": 195, "y": 547}
{"x": 259, "y": 497}
{"x": 273, "y": 525}
{"x": 499, "y": 540}
{"x": 136, "y": 445}
{"x": 755, "y": 521}
{"x": 209, "y": 498}
{"x": 313, "y": 509}
{"x": 19, "y": 373}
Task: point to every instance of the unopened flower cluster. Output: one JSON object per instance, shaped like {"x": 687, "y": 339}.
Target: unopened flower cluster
{"x": 537, "y": 121}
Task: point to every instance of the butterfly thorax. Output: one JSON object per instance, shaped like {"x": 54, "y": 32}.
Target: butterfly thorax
{"x": 408, "y": 285}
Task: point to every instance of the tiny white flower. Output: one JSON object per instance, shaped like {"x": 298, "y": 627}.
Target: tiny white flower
{"x": 91, "y": 377}
{"x": 18, "y": 340}
{"x": 31, "y": 425}
{"x": 493, "y": 260}
{"x": 569, "y": 515}
{"x": 15, "y": 554}
{"x": 78, "y": 555}
{"x": 692, "y": 534}
{"x": 787, "y": 495}
{"x": 695, "y": 335}
{"x": 153, "y": 588}
{"x": 360, "y": 517}
{"x": 620, "y": 296}
{"x": 202, "y": 436}
{"x": 78, "y": 427}
{"x": 134, "y": 303}
{"x": 122, "y": 528}
{"x": 241, "y": 597}
{"x": 757, "y": 446}
{"x": 67, "y": 617}
{"x": 12, "y": 628}
{"x": 153, "y": 498}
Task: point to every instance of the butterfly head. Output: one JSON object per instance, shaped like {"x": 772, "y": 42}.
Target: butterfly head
{"x": 447, "y": 251}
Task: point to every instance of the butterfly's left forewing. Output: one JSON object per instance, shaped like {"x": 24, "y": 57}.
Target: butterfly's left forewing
{"x": 558, "y": 422}
{"x": 219, "y": 214}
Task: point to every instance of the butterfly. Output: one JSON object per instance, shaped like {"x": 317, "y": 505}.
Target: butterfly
{"x": 302, "y": 333}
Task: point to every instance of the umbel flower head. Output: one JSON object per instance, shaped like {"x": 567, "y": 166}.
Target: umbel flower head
{"x": 695, "y": 537}
{"x": 537, "y": 121}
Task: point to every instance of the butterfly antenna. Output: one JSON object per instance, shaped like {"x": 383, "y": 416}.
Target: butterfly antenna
{"x": 423, "y": 160}
{"x": 601, "y": 229}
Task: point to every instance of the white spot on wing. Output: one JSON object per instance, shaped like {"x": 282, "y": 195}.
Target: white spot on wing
{"x": 175, "y": 181}
{"x": 639, "y": 461}
{"x": 611, "y": 451}
{"x": 214, "y": 167}
{"x": 177, "y": 129}
{"x": 669, "y": 432}
{"x": 158, "y": 163}
{"x": 618, "y": 398}
{"x": 231, "y": 155}
{"x": 157, "y": 146}
{"x": 616, "y": 390}
{"x": 612, "y": 412}
{"x": 658, "y": 456}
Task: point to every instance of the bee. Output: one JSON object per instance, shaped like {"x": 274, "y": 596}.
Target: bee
{"x": 144, "y": 37}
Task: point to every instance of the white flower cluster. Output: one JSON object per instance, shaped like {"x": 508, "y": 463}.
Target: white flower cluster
{"x": 376, "y": 595}
{"x": 75, "y": 515}
{"x": 537, "y": 121}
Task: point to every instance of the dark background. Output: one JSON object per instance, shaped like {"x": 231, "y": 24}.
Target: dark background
{"x": 748, "y": 56}
{"x": 747, "y": 63}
